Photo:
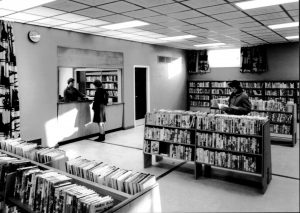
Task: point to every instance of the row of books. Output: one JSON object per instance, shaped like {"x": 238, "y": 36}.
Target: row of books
{"x": 112, "y": 93}
{"x": 228, "y": 142}
{"x": 199, "y": 104}
{"x": 281, "y": 129}
{"x": 281, "y": 99}
{"x": 219, "y": 84}
{"x": 48, "y": 191}
{"x": 282, "y": 92}
{"x": 32, "y": 151}
{"x": 250, "y": 125}
{"x": 271, "y": 105}
{"x": 198, "y": 84}
{"x": 177, "y": 118}
{"x": 165, "y": 134}
{"x": 279, "y": 85}
{"x": 199, "y": 91}
{"x": 102, "y": 78}
{"x": 252, "y": 84}
{"x": 170, "y": 150}
{"x": 225, "y": 91}
{"x": 200, "y": 97}
{"x": 275, "y": 117}
{"x": 111, "y": 176}
{"x": 227, "y": 160}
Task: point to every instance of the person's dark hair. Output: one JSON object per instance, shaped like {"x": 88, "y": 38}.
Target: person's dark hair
{"x": 235, "y": 84}
{"x": 97, "y": 83}
{"x": 70, "y": 80}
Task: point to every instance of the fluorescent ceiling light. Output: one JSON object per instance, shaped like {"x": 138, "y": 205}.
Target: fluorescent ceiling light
{"x": 175, "y": 38}
{"x": 24, "y": 17}
{"x": 292, "y": 37}
{"x": 44, "y": 11}
{"x": 209, "y": 45}
{"x": 17, "y": 5}
{"x": 261, "y": 3}
{"x": 93, "y": 22}
{"x": 123, "y": 25}
{"x": 285, "y": 25}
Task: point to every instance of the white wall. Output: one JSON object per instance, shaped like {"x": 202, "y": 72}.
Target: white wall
{"x": 38, "y": 76}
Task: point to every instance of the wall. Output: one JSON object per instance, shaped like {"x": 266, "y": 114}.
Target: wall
{"x": 283, "y": 64}
{"x": 38, "y": 75}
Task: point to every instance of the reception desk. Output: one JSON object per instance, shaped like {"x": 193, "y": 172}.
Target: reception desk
{"x": 75, "y": 119}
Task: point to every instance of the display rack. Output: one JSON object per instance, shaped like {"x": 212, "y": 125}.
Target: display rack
{"x": 121, "y": 200}
{"x": 157, "y": 145}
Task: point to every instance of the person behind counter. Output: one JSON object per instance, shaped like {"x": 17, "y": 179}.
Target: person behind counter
{"x": 239, "y": 103}
{"x": 71, "y": 93}
{"x": 100, "y": 101}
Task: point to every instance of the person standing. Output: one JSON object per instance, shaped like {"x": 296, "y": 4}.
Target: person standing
{"x": 71, "y": 93}
{"x": 239, "y": 103}
{"x": 99, "y": 104}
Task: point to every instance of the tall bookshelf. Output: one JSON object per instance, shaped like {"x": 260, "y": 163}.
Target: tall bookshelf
{"x": 203, "y": 140}
{"x": 111, "y": 82}
{"x": 266, "y": 90}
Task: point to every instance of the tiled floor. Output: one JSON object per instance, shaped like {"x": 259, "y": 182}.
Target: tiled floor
{"x": 180, "y": 192}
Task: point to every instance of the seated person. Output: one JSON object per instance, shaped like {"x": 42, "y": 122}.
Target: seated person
{"x": 71, "y": 93}
{"x": 239, "y": 103}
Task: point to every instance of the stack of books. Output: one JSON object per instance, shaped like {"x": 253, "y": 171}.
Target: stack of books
{"x": 111, "y": 176}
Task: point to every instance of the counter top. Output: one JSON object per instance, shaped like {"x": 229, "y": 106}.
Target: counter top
{"x": 86, "y": 101}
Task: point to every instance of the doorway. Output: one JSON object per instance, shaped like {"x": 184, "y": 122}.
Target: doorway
{"x": 141, "y": 94}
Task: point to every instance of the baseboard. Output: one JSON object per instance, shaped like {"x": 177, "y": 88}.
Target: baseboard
{"x": 86, "y": 137}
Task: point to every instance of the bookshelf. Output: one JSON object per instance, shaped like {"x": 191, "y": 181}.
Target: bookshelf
{"x": 121, "y": 200}
{"x": 266, "y": 90}
{"x": 110, "y": 78}
{"x": 212, "y": 141}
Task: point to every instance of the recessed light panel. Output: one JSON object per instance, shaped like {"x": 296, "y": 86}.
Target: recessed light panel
{"x": 246, "y": 5}
{"x": 285, "y": 25}
{"x": 292, "y": 37}
{"x": 209, "y": 45}
{"x": 176, "y": 38}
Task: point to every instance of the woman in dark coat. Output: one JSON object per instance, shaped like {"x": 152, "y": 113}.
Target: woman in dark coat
{"x": 100, "y": 101}
{"x": 239, "y": 103}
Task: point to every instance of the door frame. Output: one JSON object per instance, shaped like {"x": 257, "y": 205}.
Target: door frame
{"x": 147, "y": 89}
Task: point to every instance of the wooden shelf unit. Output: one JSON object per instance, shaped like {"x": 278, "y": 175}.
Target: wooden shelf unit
{"x": 262, "y": 177}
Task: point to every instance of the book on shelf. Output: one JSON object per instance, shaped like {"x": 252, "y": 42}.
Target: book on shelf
{"x": 154, "y": 147}
{"x": 107, "y": 175}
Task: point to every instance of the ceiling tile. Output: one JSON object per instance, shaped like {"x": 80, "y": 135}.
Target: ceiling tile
{"x": 212, "y": 25}
{"x": 67, "y": 6}
{"x": 230, "y": 15}
{"x": 249, "y": 29}
{"x": 170, "y": 8}
{"x": 93, "y": 12}
{"x": 74, "y": 26}
{"x": 291, "y": 6}
{"x": 151, "y": 27}
{"x": 185, "y": 27}
{"x": 202, "y": 19}
{"x": 94, "y": 2}
{"x": 185, "y": 14}
{"x": 249, "y": 24}
{"x": 44, "y": 11}
{"x": 93, "y": 22}
{"x": 271, "y": 16}
{"x": 159, "y": 19}
{"x": 238, "y": 20}
{"x": 217, "y": 9}
{"x": 276, "y": 21}
{"x": 294, "y": 12}
{"x": 203, "y": 3}
{"x": 71, "y": 17}
{"x": 119, "y": 7}
{"x": 173, "y": 23}
{"x": 150, "y": 3}
{"x": 141, "y": 13}
{"x": 116, "y": 18}
{"x": 5, "y": 12}
{"x": 264, "y": 10}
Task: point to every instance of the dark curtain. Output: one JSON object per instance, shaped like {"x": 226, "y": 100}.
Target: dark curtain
{"x": 203, "y": 66}
{"x": 254, "y": 59}
{"x": 9, "y": 100}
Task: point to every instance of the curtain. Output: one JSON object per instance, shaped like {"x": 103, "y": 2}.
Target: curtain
{"x": 203, "y": 66}
{"x": 9, "y": 100}
{"x": 254, "y": 59}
